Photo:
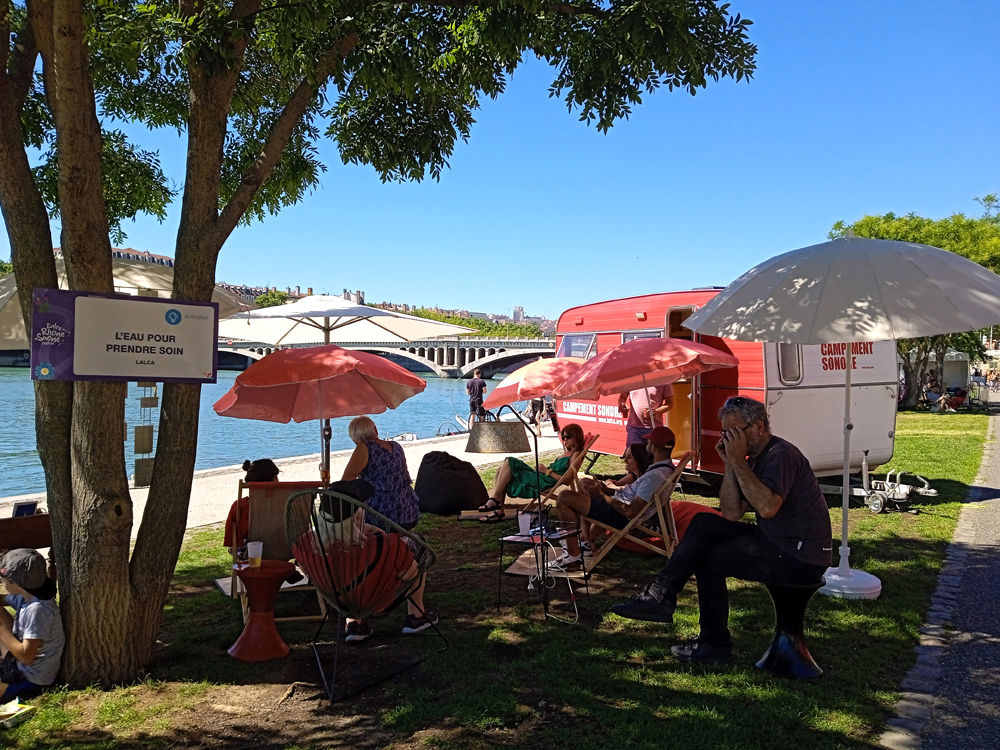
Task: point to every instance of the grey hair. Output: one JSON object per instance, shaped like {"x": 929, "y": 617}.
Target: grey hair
{"x": 748, "y": 409}
{"x": 362, "y": 429}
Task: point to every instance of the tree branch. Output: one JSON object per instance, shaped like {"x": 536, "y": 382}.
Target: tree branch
{"x": 277, "y": 139}
{"x": 563, "y": 9}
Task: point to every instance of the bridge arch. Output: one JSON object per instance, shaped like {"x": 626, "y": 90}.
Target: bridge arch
{"x": 492, "y": 364}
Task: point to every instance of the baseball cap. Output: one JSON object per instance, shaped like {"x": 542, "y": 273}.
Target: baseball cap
{"x": 24, "y": 567}
{"x": 661, "y": 436}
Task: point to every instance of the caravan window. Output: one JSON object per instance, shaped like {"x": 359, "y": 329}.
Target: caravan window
{"x": 675, "y": 324}
{"x": 626, "y": 337}
{"x": 577, "y": 345}
{"x": 790, "y": 364}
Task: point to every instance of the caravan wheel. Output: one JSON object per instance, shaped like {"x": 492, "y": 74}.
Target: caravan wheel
{"x": 877, "y": 505}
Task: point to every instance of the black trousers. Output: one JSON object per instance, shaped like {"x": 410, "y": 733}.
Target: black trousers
{"x": 715, "y": 549}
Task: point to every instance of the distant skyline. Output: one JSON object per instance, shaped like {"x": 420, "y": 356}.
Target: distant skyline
{"x": 855, "y": 108}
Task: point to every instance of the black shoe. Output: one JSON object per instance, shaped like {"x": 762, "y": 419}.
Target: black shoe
{"x": 357, "y": 631}
{"x": 700, "y": 652}
{"x": 645, "y": 606}
{"x": 416, "y": 624}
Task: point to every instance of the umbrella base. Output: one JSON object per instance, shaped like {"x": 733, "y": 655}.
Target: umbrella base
{"x": 852, "y": 584}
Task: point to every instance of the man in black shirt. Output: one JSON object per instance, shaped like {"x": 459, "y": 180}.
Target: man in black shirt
{"x": 791, "y": 543}
{"x": 476, "y": 388}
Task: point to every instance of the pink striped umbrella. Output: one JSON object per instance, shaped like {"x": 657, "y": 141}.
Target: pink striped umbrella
{"x": 642, "y": 362}
{"x": 535, "y": 379}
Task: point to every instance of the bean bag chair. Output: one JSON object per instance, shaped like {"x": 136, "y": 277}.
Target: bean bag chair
{"x": 447, "y": 485}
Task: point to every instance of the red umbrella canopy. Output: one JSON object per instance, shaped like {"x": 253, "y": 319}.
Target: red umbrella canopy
{"x": 318, "y": 382}
{"x": 642, "y": 362}
{"x": 535, "y": 379}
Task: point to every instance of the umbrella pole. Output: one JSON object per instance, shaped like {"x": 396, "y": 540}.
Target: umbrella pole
{"x": 325, "y": 431}
{"x": 845, "y": 552}
{"x": 842, "y": 581}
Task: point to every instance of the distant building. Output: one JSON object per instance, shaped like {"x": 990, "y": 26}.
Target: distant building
{"x": 518, "y": 314}
{"x": 358, "y": 297}
{"x": 129, "y": 254}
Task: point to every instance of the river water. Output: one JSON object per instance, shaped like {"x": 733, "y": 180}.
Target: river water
{"x": 222, "y": 441}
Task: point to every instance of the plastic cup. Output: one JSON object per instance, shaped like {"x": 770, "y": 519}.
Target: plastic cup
{"x": 255, "y": 551}
{"x": 524, "y": 523}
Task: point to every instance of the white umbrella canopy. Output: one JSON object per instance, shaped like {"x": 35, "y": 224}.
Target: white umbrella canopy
{"x": 326, "y": 318}
{"x": 130, "y": 276}
{"x": 850, "y": 290}
{"x": 854, "y": 289}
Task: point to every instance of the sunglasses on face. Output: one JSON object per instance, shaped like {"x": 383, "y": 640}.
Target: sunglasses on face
{"x": 566, "y": 435}
{"x": 737, "y": 401}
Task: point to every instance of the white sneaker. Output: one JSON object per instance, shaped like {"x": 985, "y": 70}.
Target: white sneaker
{"x": 566, "y": 559}
{"x": 587, "y": 548}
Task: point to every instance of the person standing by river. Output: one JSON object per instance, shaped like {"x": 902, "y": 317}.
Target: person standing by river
{"x": 476, "y": 388}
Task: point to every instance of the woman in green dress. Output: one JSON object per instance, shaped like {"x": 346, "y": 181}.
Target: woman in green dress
{"x": 518, "y": 479}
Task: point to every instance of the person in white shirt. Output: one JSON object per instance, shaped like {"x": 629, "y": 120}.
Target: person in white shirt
{"x": 616, "y": 507}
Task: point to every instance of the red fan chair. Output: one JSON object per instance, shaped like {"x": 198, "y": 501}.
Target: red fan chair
{"x": 362, "y": 564}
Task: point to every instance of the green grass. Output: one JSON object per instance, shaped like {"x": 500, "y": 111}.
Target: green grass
{"x": 515, "y": 679}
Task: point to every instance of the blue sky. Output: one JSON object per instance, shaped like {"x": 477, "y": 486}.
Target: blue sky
{"x": 856, "y": 108}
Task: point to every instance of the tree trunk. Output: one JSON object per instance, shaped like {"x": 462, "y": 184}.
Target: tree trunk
{"x": 98, "y": 644}
{"x": 913, "y": 371}
{"x": 27, "y": 224}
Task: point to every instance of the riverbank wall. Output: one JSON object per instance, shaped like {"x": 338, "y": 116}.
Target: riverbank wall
{"x": 213, "y": 491}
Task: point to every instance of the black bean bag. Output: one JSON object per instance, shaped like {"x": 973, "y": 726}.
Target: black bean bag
{"x": 447, "y": 485}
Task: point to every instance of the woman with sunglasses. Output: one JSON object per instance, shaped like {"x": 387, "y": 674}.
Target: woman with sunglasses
{"x": 518, "y": 479}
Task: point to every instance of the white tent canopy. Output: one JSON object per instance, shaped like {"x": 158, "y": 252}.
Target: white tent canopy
{"x": 130, "y": 276}
{"x": 322, "y": 318}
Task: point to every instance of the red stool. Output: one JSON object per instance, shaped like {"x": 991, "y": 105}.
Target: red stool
{"x": 260, "y": 640}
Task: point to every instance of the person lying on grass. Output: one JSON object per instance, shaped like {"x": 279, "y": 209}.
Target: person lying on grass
{"x": 31, "y": 642}
{"x": 616, "y": 507}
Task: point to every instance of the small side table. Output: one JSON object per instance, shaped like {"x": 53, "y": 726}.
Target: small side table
{"x": 539, "y": 543}
{"x": 260, "y": 640}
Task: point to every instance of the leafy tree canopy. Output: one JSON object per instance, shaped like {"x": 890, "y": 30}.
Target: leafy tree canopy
{"x": 485, "y": 327}
{"x": 272, "y": 299}
{"x": 977, "y": 239}
{"x": 6, "y": 267}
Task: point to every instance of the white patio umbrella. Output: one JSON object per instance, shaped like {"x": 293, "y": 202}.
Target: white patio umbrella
{"x": 305, "y": 320}
{"x": 325, "y": 318}
{"x": 130, "y": 276}
{"x": 852, "y": 290}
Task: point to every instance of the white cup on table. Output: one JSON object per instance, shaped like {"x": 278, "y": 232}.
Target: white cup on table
{"x": 255, "y": 551}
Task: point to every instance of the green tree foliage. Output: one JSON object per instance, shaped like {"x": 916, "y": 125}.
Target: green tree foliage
{"x": 271, "y": 299}
{"x": 484, "y": 327}
{"x": 977, "y": 239}
{"x": 6, "y": 267}
{"x": 254, "y": 84}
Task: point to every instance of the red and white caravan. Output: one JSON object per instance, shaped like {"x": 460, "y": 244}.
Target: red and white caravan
{"x": 803, "y": 386}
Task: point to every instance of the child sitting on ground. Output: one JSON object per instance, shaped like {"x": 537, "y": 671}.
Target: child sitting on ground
{"x": 31, "y": 642}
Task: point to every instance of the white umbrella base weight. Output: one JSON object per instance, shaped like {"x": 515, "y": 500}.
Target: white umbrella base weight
{"x": 851, "y": 584}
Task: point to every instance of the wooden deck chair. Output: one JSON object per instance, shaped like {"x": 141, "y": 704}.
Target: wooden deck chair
{"x": 362, "y": 573}
{"x": 266, "y": 503}
{"x": 639, "y": 527}
{"x": 569, "y": 477}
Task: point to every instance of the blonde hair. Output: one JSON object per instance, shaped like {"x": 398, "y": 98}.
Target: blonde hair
{"x": 362, "y": 429}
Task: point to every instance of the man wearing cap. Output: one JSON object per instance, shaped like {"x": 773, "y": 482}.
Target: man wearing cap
{"x": 616, "y": 508}
{"x": 643, "y": 410}
{"x": 790, "y": 544}
{"x": 31, "y": 642}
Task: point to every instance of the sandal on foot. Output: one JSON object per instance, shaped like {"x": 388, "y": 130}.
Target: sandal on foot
{"x": 489, "y": 506}
{"x": 493, "y": 516}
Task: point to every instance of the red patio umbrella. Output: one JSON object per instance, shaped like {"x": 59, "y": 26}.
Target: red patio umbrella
{"x": 318, "y": 382}
{"x": 642, "y": 362}
{"x": 538, "y": 378}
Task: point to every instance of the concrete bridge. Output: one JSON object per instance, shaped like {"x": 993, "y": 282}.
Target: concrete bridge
{"x": 455, "y": 357}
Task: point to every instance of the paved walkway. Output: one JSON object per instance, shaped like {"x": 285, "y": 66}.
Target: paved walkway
{"x": 952, "y": 697}
{"x": 214, "y": 490}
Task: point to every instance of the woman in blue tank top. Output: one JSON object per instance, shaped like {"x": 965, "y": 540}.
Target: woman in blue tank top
{"x": 382, "y": 463}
